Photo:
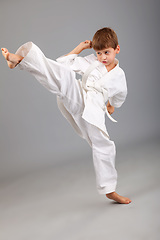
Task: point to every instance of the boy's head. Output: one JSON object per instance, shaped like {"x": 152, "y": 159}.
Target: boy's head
{"x": 105, "y": 43}
{"x": 104, "y": 38}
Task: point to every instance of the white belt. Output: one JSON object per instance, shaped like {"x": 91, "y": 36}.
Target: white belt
{"x": 89, "y": 85}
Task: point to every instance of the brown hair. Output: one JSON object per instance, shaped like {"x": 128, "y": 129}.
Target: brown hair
{"x": 104, "y": 38}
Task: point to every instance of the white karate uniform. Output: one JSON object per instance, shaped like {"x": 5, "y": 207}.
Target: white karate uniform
{"x": 82, "y": 102}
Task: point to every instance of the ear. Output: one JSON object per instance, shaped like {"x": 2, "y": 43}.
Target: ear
{"x": 117, "y": 49}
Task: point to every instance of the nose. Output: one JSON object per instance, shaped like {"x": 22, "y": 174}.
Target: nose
{"x": 104, "y": 56}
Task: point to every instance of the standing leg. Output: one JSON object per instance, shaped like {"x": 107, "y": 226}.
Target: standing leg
{"x": 104, "y": 152}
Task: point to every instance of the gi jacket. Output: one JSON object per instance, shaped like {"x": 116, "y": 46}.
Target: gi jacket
{"x": 98, "y": 86}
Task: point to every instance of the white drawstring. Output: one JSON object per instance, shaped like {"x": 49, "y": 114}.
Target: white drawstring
{"x": 109, "y": 116}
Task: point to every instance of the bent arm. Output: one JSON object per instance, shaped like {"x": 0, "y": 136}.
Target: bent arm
{"x": 82, "y": 46}
{"x": 76, "y": 63}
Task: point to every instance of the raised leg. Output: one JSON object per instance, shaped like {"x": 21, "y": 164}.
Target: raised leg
{"x": 54, "y": 76}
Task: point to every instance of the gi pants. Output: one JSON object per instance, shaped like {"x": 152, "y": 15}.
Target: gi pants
{"x": 60, "y": 80}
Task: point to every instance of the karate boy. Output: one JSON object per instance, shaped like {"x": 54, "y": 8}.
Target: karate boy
{"x": 84, "y": 102}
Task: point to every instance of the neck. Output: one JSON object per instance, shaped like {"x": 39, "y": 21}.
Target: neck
{"x": 111, "y": 66}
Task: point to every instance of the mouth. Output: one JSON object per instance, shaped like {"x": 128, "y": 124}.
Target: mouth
{"x": 104, "y": 62}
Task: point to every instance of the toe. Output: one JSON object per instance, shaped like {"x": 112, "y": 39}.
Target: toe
{"x": 4, "y": 50}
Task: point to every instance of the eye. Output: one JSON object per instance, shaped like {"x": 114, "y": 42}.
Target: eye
{"x": 107, "y": 52}
{"x": 98, "y": 53}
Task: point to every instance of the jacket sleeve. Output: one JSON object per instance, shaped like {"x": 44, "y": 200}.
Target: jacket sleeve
{"x": 118, "y": 99}
{"x": 76, "y": 63}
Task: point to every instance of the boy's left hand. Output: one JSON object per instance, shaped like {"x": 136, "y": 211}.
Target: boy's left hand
{"x": 110, "y": 108}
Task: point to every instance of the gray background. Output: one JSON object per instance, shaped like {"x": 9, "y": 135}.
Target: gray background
{"x": 32, "y": 131}
{"x": 47, "y": 182}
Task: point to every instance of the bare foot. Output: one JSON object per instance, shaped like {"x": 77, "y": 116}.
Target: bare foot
{"x": 114, "y": 196}
{"x": 12, "y": 59}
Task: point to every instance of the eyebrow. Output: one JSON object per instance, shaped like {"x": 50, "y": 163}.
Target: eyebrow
{"x": 106, "y": 50}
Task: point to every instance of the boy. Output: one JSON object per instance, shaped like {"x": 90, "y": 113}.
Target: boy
{"x": 83, "y": 103}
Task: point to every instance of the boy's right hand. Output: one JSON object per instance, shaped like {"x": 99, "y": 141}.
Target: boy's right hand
{"x": 86, "y": 44}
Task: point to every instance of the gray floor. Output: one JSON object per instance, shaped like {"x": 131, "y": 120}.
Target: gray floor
{"x": 61, "y": 202}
